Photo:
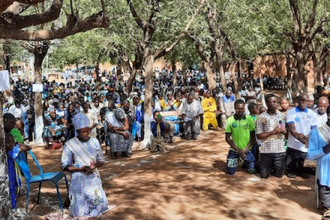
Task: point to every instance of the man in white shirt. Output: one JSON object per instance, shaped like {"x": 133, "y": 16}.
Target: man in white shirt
{"x": 17, "y": 110}
{"x": 192, "y": 110}
{"x": 321, "y": 115}
{"x": 96, "y": 106}
{"x": 301, "y": 121}
{"x": 92, "y": 118}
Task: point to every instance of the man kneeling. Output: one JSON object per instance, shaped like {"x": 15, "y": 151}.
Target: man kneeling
{"x": 240, "y": 135}
{"x": 270, "y": 127}
{"x": 157, "y": 129}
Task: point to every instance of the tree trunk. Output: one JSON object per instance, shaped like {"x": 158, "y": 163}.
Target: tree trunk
{"x": 39, "y": 52}
{"x": 6, "y": 56}
{"x": 131, "y": 80}
{"x": 302, "y": 81}
{"x": 289, "y": 77}
{"x": 210, "y": 74}
{"x": 5, "y": 202}
{"x": 97, "y": 72}
{"x": 319, "y": 63}
{"x": 222, "y": 76}
{"x": 149, "y": 83}
{"x": 118, "y": 71}
{"x": 238, "y": 68}
{"x": 174, "y": 72}
{"x": 262, "y": 90}
{"x": 233, "y": 75}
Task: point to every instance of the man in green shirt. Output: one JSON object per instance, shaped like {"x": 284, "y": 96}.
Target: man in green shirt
{"x": 240, "y": 135}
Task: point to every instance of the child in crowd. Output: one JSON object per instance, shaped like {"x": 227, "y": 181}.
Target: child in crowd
{"x": 254, "y": 112}
{"x": 12, "y": 151}
{"x": 284, "y": 105}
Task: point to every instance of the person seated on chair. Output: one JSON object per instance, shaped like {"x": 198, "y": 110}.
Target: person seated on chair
{"x": 81, "y": 157}
{"x": 158, "y": 130}
{"x": 12, "y": 150}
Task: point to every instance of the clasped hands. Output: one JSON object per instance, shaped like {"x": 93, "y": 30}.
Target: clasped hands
{"x": 302, "y": 138}
{"x": 242, "y": 153}
{"x": 89, "y": 169}
{"x": 279, "y": 130}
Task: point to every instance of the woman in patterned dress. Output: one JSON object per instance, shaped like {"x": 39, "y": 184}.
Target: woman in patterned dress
{"x": 121, "y": 140}
{"x": 81, "y": 157}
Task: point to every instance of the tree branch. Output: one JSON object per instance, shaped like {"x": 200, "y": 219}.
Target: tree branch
{"x": 17, "y": 8}
{"x": 296, "y": 15}
{"x": 135, "y": 15}
{"x": 311, "y": 22}
{"x": 12, "y": 20}
{"x": 74, "y": 25}
{"x": 231, "y": 48}
{"x": 163, "y": 49}
{"x": 4, "y": 4}
{"x": 318, "y": 30}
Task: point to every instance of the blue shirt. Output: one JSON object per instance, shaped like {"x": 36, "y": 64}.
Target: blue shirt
{"x": 228, "y": 100}
{"x": 11, "y": 156}
{"x": 154, "y": 128}
{"x": 139, "y": 113}
{"x": 315, "y": 152}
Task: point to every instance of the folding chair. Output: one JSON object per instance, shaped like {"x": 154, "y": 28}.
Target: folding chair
{"x": 54, "y": 177}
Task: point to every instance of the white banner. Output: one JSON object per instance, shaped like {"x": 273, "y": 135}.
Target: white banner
{"x": 4, "y": 80}
{"x": 37, "y": 88}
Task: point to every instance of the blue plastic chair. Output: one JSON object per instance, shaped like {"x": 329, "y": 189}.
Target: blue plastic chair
{"x": 54, "y": 177}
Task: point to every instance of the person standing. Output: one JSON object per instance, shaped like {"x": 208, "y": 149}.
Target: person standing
{"x": 240, "y": 135}
{"x": 319, "y": 149}
{"x": 139, "y": 117}
{"x": 301, "y": 121}
{"x": 270, "y": 129}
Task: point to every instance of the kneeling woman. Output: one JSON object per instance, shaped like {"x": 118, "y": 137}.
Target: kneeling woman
{"x": 81, "y": 157}
{"x": 121, "y": 140}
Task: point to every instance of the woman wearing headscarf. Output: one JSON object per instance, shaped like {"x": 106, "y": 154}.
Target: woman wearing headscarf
{"x": 121, "y": 140}
{"x": 81, "y": 156}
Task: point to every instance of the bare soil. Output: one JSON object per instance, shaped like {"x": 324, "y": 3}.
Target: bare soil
{"x": 188, "y": 183}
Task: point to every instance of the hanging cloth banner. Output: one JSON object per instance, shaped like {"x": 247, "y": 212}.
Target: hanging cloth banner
{"x": 4, "y": 80}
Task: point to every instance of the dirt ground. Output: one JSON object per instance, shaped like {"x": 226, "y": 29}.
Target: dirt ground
{"x": 188, "y": 182}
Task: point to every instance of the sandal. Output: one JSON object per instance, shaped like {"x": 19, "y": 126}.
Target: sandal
{"x": 326, "y": 215}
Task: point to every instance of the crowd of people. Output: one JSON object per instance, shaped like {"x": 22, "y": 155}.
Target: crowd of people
{"x": 269, "y": 140}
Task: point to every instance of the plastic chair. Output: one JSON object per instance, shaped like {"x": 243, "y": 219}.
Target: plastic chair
{"x": 54, "y": 177}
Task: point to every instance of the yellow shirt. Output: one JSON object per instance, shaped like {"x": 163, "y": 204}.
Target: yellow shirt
{"x": 209, "y": 106}
{"x": 162, "y": 103}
